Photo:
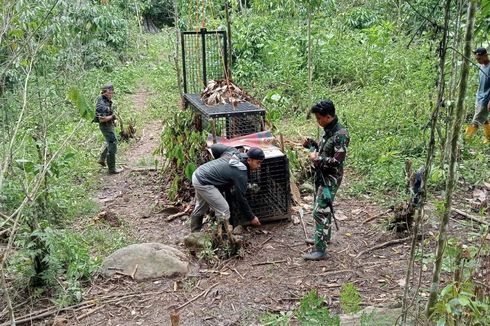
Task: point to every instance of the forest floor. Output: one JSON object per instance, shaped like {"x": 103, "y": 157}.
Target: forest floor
{"x": 270, "y": 277}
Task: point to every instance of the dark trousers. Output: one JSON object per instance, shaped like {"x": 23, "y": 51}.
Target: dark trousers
{"x": 110, "y": 148}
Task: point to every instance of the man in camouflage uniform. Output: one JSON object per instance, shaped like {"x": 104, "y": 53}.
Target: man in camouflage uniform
{"x": 106, "y": 118}
{"x": 327, "y": 158}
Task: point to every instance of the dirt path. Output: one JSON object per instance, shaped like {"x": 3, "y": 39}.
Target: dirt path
{"x": 250, "y": 286}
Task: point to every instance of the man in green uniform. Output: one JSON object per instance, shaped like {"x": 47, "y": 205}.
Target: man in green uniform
{"x": 327, "y": 158}
{"x": 482, "y": 104}
{"x": 106, "y": 118}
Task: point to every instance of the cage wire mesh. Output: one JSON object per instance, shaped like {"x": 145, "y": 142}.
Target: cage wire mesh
{"x": 204, "y": 58}
{"x": 225, "y": 120}
{"x": 268, "y": 193}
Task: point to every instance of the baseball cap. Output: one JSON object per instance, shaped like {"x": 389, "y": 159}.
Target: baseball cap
{"x": 480, "y": 51}
{"x": 256, "y": 153}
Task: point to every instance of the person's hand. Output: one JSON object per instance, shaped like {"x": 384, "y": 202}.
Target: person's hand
{"x": 313, "y": 156}
{"x": 255, "y": 221}
{"x": 309, "y": 143}
{"x": 488, "y": 106}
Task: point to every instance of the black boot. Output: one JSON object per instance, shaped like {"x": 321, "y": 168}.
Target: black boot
{"x": 196, "y": 223}
{"x": 316, "y": 254}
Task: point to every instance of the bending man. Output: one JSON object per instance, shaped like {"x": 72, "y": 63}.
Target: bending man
{"x": 210, "y": 179}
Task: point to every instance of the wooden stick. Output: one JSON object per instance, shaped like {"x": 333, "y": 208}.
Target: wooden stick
{"x": 281, "y": 139}
{"x": 376, "y": 216}
{"x": 269, "y": 262}
{"x": 384, "y": 244}
{"x": 303, "y": 222}
{"x": 325, "y": 273}
{"x": 266, "y": 240}
{"x": 470, "y": 217}
{"x": 205, "y": 292}
{"x": 134, "y": 271}
{"x": 234, "y": 269}
{"x": 85, "y": 304}
{"x": 143, "y": 169}
{"x": 174, "y": 216}
{"x": 90, "y": 312}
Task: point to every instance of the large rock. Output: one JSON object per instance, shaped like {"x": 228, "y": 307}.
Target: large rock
{"x": 146, "y": 261}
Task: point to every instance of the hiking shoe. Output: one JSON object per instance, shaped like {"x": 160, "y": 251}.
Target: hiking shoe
{"x": 116, "y": 171}
{"x": 315, "y": 255}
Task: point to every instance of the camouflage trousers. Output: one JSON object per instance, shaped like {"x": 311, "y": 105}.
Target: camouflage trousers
{"x": 322, "y": 214}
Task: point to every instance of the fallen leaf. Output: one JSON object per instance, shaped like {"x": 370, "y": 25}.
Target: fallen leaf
{"x": 401, "y": 282}
{"x": 340, "y": 216}
{"x": 348, "y": 234}
{"x": 356, "y": 211}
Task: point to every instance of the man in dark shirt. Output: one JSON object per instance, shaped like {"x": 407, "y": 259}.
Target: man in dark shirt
{"x": 327, "y": 157}
{"x": 106, "y": 118}
{"x": 229, "y": 169}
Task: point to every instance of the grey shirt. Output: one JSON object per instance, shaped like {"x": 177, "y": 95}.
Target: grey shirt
{"x": 483, "y": 93}
{"x": 229, "y": 170}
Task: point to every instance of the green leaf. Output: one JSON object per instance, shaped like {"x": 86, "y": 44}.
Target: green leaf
{"x": 80, "y": 102}
{"x": 189, "y": 170}
{"x": 463, "y": 300}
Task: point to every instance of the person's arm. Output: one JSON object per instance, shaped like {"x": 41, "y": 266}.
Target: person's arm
{"x": 240, "y": 183}
{"x": 341, "y": 141}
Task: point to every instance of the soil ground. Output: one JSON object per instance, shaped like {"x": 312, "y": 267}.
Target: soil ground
{"x": 270, "y": 277}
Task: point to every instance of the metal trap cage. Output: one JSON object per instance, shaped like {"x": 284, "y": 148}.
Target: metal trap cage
{"x": 204, "y": 58}
{"x": 224, "y": 120}
{"x": 268, "y": 193}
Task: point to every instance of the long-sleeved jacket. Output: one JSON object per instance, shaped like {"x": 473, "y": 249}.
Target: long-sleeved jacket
{"x": 332, "y": 150}
{"x": 225, "y": 172}
{"x": 103, "y": 108}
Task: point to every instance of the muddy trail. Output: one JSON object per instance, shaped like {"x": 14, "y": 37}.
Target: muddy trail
{"x": 270, "y": 277}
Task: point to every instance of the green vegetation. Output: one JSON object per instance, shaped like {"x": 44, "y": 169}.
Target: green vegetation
{"x": 311, "y": 311}
{"x": 350, "y": 298}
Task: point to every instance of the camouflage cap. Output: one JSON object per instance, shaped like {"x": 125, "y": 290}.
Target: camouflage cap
{"x": 107, "y": 87}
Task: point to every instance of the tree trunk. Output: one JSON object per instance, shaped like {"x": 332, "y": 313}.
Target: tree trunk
{"x": 452, "y": 176}
{"x": 310, "y": 55}
{"x": 177, "y": 44}
{"x": 419, "y": 213}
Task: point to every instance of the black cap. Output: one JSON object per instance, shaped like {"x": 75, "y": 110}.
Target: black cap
{"x": 107, "y": 87}
{"x": 256, "y": 153}
{"x": 480, "y": 51}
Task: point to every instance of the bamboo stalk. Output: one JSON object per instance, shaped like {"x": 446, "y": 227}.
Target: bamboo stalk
{"x": 452, "y": 176}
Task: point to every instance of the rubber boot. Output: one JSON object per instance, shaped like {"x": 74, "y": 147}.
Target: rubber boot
{"x": 111, "y": 164}
{"x": 316, "y": 254}
{"x": 486, "y": 133}
{"x": 103, "y": 157}
{"x": 196, "y": 223}
{"x": 470, "y": 131}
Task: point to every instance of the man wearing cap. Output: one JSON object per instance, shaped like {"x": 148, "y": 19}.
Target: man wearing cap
{"x": 482, "y": 106}
{"x": 230, "y": 168}
{"x": 106, "y": 118}
{"x": 327, "y": 158}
